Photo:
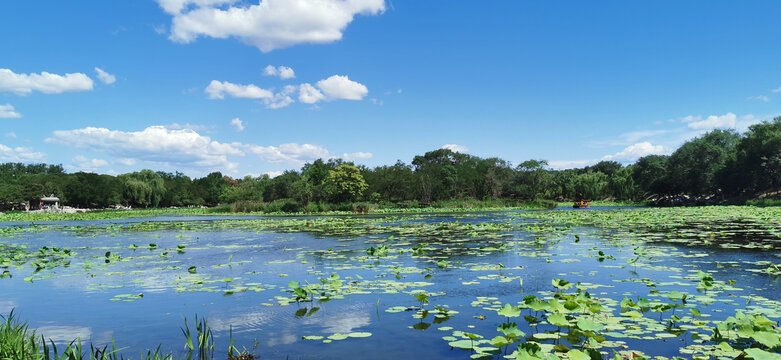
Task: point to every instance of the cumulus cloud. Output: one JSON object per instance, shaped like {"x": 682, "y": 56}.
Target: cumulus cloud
{"x": 334, "y": 88}
{"x": 341, "y": 87}
{"x": 183, "y": 148}
{"x": 282, "y": 98}
{"x": 726, "y": 121}
{"x": 569, "y": 164}
{"x": 82, "y": 163}
{"x": 357, "y": 156}
{"x": 634, "y": 136}
{"x": 636, "y": 151}
{"x": 455, "y": 148}
{"x": 19, "y": 154}
{"x": 629, "y": 154}
{"x": 7, "y": 112}
{"x": 105, "y": 77}
{"x": 762, "y": 98}
{"x": 778, "y": 90}
{"x": 218, "y": 90}
{"x": 47, "y": 83}
{"x": 237, "y": 124}
{"x": 308, "y": 94}
{"x": 288, "y": 153}
{"x": 177, "y": 6}
{"x": 269, "y": 24}
{"x": 283, "y": 72}
{"x": 126, "y": 161}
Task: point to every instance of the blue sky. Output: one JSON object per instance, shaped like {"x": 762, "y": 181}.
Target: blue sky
{"x": 253, "y": 87}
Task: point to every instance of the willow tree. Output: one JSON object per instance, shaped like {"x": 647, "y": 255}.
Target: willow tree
{"x": 145, "y": 188}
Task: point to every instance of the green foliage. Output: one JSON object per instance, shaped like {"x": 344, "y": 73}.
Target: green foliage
{"x": 18, "y": 342}
{"x": 718, "y": 164}
{"x": 758, "y": 162}
{"x": 694, "y": 168}
{"x": 344, "y": 183}
{"x": 144, "y": 188}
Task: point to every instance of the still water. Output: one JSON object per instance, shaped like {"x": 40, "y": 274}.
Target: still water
{"x": 134, "y": 281}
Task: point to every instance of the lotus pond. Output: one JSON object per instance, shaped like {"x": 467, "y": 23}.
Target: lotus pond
{"x": 575, "y": 284}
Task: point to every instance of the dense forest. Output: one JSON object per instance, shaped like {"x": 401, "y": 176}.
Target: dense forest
{"x": 719, "y": 165}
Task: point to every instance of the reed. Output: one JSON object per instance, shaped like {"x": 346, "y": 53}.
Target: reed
{"x": 19, "y": 342}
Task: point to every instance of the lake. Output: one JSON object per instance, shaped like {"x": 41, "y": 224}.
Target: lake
{"x": 644, "y": 281}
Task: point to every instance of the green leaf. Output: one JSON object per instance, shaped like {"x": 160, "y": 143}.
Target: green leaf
{"x": 561, "y": 284}
{"x": 577, "y": 355}
{"x": 759, "y": 354}
{"x": 509, "y": 311}
{"x": 558, "y": 319}
{"x": 510, "y": 330}
{"x": 588, "y": 325}
{"x": 462, "y": 344}
{"x": 767, "y": 338}
{"x": 500, "y": 341}
{"x": 338, "y": 336}
{"x": 359, "y": 334}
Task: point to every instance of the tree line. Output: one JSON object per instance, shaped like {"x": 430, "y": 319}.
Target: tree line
{"x": 720, "y": 163}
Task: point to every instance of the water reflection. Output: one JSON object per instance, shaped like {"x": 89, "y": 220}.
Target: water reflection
{"x": 64, "y": 334}
{"x": 7, "y": 305}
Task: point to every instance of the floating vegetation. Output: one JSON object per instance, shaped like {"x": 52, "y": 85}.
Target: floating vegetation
{"x": 630, "y": 283}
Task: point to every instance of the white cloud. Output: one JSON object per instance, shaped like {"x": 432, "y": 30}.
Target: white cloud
{"x": 634, "y": 136}
{"x": 10, "y": 135}
{"x": 47, "y": 83}
{"x": 636, "y": 151}
{"x": 237, "y": 124}
{"x": 174, "y": 7}
{"x": 182, "y": 148}
{"x": 288, "y": 153}
{"x": 336, "y": 87}
{"x": 357, "y": 156}
{"x": 217, "y": 90}
{"x": 126, "y": 161}
{"x": 105, "y": 77}
{"x": 272, "y": 174}
{"x": 455, "y": 148}
{"x": 7, "y": 112}
{"x": 82, "y": 163}
{"x": 281, "y": 99}
{"x": 269, "y": 24}
{"x": 19, "y": 154}
{"x": 341, "y": 87}
{"x": 177, "y": 126}
{"x": 778, "y": 90}
{"x": 160, "y": 29}
{"x": 726, "y": 121}
{"x": 283, "y": 72}
{"x": 763, "y": 98}
{"x": 569, "y": 164}
{"x": 629, "y": 154}
{"x": 308, "y": 94}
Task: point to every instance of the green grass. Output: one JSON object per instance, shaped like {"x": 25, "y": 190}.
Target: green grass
{"x": 763, "y": 202}
{"x": 18, "y": 342}
{"x": 287, "y": 207}
{"x": 608, "y": 203}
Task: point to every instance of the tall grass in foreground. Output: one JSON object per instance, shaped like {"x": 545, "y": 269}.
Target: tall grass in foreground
{"x": 18, "y": 342}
